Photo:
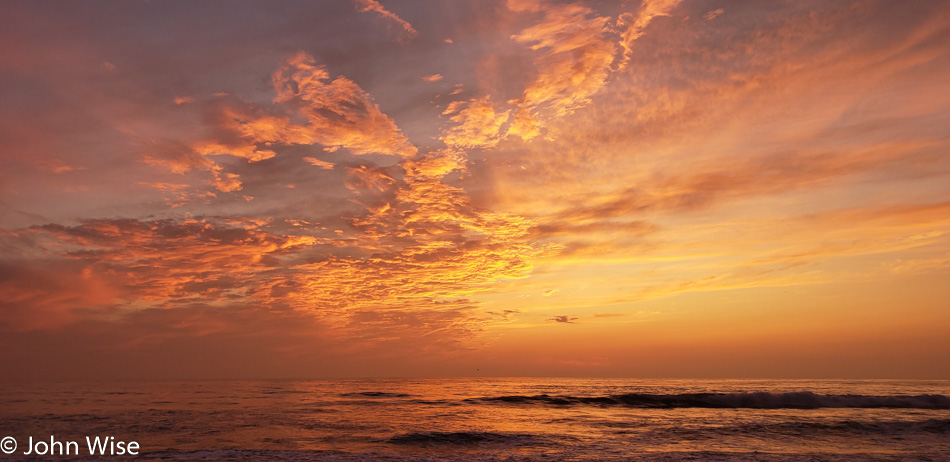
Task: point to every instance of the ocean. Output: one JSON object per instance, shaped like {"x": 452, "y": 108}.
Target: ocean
{"x": 480, "y": 419}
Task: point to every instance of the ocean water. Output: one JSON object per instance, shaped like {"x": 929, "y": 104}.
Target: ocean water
{"x": 477, "y": 419}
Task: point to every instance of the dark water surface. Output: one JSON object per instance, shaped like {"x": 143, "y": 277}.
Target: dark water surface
{"x": 488, "y": 419}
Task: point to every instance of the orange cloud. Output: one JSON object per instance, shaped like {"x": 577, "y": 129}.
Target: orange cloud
{"x": 58, "y": 166}
{"x": 318, "y": 163}
{"x": 175, "y": 157}
{"x": 477, "y": 124}
{"x": 576, "y": 53}
{"x": 407, "y": 263}
{"x": 245, "y": 152}
{"x": 435, "y": 164}
{"x": 339, "y": 112}
{"x": 227, "y": 182}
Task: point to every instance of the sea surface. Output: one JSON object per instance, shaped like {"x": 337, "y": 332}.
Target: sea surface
{"x": 486, "y": 419}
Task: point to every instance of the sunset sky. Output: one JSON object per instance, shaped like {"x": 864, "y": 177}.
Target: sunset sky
{"x": 656, "y": 188}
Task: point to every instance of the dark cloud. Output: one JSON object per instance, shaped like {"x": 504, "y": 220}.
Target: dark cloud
{"x": 563, "y": 319}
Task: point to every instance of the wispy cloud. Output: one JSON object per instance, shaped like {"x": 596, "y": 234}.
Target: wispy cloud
{"x": 634, "y": 24}
{"x": 710, "y": 15}
{"x": 575, "y": 54}
{"x": 406, "y": 31}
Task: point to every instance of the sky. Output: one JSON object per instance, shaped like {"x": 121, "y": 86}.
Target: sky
{"x": 296, "y": 189}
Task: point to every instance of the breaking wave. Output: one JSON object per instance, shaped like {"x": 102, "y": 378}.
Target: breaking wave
{"x": 753, "y": 400}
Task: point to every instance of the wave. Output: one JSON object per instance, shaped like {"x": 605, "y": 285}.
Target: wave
{"x": 917, "y": 429}
{"x": 463, "y": 438}
{"x": 375, "y": 394}
{"x": 752, "y": 400}
{"x": 891, "y": 427}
